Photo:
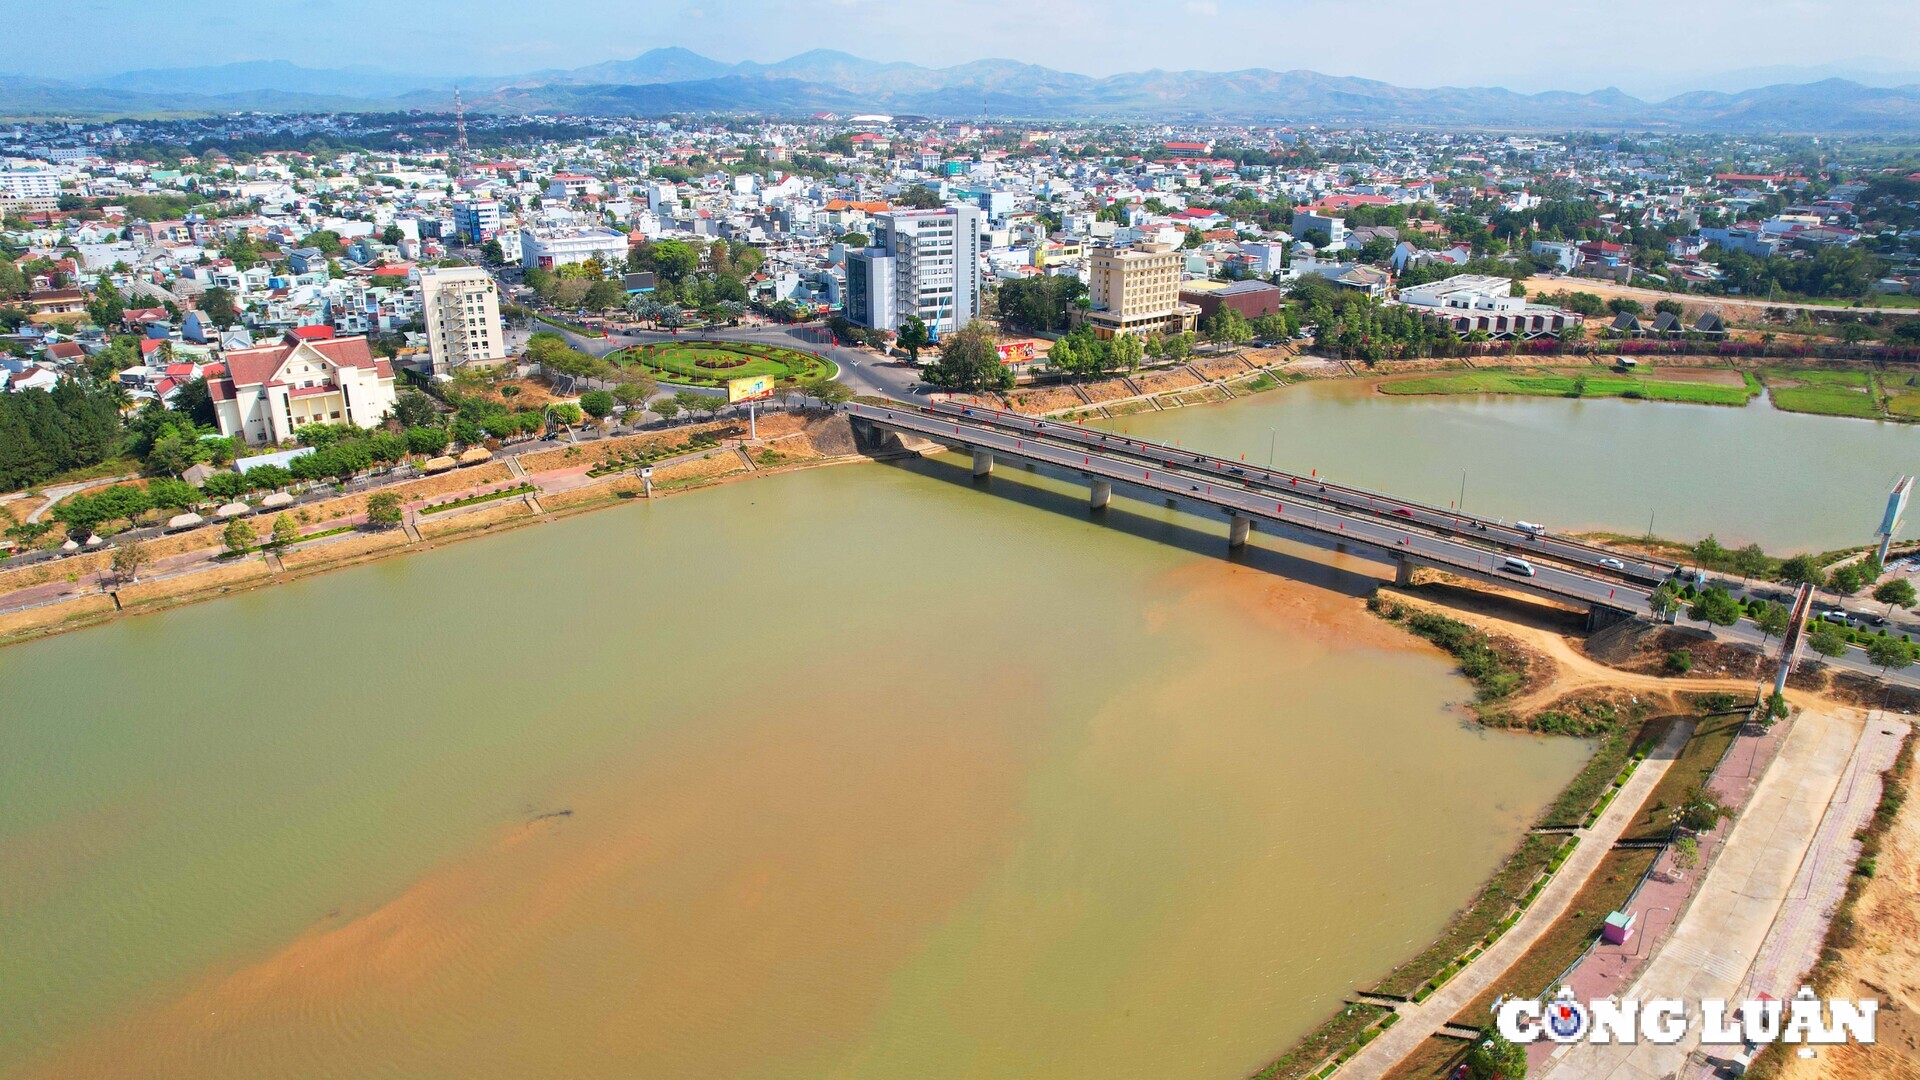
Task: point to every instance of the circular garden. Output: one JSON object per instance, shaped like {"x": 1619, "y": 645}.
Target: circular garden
{"x": 712, "y": 363}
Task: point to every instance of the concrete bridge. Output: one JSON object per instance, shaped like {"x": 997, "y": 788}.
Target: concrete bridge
{"x": 1449, "y": 521}
{"x": 1405, "y": 541}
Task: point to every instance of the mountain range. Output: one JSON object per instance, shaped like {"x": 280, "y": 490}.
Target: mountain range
{"x": 678, "y": 81}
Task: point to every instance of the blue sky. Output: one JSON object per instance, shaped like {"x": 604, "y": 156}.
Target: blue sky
{"x": 1644, "y": 46}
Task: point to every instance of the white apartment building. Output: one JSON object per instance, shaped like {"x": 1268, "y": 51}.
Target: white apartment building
{"x": 461, "y": 307}
{"x": 30, "y": 183}
{"x": 548, "y": 248}
{"x": 921, "y": 262}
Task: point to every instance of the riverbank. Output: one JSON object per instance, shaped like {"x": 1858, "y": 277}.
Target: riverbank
{"x": 79, "y": 592}
{"x": 1533, "y": 670}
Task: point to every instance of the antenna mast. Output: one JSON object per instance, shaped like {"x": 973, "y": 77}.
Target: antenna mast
{"x": 460, "y": 128}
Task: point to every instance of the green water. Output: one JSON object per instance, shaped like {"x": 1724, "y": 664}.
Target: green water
{"x": 1789, "y": 481}
{"x": 870, "y": 774}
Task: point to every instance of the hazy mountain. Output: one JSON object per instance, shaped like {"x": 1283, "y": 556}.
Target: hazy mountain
{"x": 675, "y": 80}
{"x": 670, "y": 65}
{"x": 268, "y": 75}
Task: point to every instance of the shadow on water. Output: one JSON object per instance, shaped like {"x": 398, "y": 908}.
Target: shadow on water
{"x": 1023, "y": 483}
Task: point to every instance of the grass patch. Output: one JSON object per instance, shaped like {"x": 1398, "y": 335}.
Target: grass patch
{"x": 1604, "y": 772}
{"x": 1704, "y": 749}
{"x": 475, "y": 500}
{"x": 1553, "y": 384}
{"x": 1824, "y": 392}
{"x": 712, "y": 363}
{"x": 1612, "y": 882}
{"x": 1494, "y": 669}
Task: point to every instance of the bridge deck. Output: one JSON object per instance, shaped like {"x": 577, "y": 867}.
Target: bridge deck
{"x": 1382, "y": 536}
{"x": 1448, "y": 521}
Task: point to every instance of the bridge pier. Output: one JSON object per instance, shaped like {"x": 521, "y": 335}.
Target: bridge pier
{"x": 1101, "y": 496}
{"x": 1403, "y": 573}
{"x": 982, "y": 462}
{"x": 1237, "y": 529}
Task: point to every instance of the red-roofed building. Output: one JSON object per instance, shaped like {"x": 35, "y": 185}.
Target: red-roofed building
{"x": 270, "y": 391}
{"x": 316, "y": 332}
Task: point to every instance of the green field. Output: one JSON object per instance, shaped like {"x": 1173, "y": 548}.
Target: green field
{"x": 712, "y": 363}
{"x": 1824, "y": 392}
{"x": 1600, "y": 384}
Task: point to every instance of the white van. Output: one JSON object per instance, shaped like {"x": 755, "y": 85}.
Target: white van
{"x": 1517, "y": 566}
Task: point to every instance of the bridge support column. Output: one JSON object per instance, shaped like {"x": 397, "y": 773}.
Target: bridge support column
{"x": 1101, "y": 495}
{"x": 1237, "y": 529}
{"x": 1403, "y": 573}
{"x": 982, "y": 462}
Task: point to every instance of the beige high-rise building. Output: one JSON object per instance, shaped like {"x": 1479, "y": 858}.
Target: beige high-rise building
{"x": 1136, "y": 290}
{"x": 461, "y": 308}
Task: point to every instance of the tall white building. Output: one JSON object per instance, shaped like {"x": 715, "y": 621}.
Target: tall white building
{"x": 461, "y": 308}
{"x": 921, "y": 262}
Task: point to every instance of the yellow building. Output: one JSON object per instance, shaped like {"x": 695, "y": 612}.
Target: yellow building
{"x": 1136, "y": 290}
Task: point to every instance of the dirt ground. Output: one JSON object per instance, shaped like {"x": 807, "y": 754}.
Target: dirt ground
{"x": 1884, "y": 962}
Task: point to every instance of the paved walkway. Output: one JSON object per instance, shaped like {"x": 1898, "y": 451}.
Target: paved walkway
{"x": 1418, "y": 1022}
{"x": 1607, "y": 970}
{"x": 1721, "y": 931}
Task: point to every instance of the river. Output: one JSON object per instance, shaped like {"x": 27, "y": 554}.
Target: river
{"x": 1789, "y": 481}
{"x": 858, "y": 772}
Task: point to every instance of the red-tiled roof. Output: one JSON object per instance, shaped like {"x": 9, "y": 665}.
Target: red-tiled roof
{"x": 312, "y": 333}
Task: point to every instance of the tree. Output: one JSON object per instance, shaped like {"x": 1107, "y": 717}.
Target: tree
{"x": 1771, "y": 619}
{"x": 1228, "y": 327}
{"x": 1686, "y": 853}
{"x": 1664, "y": 601}
{"x": 1802, "y": 570}
{"x": 1827, "y": 640}
{"x": 383, "y": 509}
{"x": 913, "y": 337}
{"x": 285, "y": 531}
{"x": 826, "y": 391}
{"x": 1848, "y": 579}
{"x": 391, "y": 235}
{"x": 218, "y": 303}
{"x": 666, "y": 407}
{"x": 1889, "y": 653}
{"x": 238, "y": 536}
{"x": 1699, "y": 810}
{"x": 1708, "y": 552}
{"x": 1128, "y": 351}
{"x": 969, "y": 361}
{"x": 492, "y": 253}
{"x": 1895, "y": 593}
{"x": 597, "y": 404}
{"x": 1715, "y": 606}
{"x": 1494, "y": 1058}
{"x": 1750, "y": 562}
{"x": 854, "y": 240}
{"x": 128, "y": 558}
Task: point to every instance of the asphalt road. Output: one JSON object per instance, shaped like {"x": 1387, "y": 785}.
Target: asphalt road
{"x": 1382, "y": 534}
{"x": 1500, "y": 534}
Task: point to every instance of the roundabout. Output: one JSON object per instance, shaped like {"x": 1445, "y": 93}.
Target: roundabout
{"x": 712, "y": 363}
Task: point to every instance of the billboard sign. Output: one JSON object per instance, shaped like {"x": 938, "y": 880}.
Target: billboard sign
{"x": 1015, "y": 352}
{"x": 752, "y": 388}
{"x": 1896, "y": 506}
